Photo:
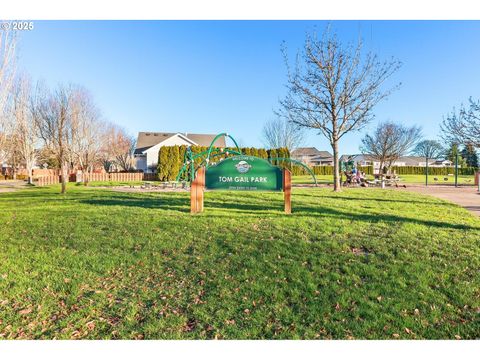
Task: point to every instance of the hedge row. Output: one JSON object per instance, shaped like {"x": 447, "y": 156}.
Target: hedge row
{"x": 400, "y": 170}
{"x": 420, "y": 170}
{"x": 172, "y": 158}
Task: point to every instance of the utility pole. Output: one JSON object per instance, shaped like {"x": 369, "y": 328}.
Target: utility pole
{"x": 426, "y": 171}
{"x": 456, "y": 169}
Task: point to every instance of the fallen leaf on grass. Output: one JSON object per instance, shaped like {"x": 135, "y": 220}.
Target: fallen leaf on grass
{"x": 25, "y": 311}
{"x": 396, "y": 335}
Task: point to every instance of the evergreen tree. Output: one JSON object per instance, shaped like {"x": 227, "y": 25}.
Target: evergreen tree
{"x": 470, "y": 156}
{"x": 163, "y": 163}
{"x": 182, "y": 152}
{"x": 452, "y": 151}
{"x": 272, "y": 153}
{"x": 175, "y": 163}
{"x": 262, "y": 153}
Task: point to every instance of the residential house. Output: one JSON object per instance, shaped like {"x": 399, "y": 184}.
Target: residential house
{"x": 149, "y": 144}
{"x": 311, "y": 156}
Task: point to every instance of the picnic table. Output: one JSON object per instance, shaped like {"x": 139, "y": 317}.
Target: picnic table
{"x": 388, "y": 180}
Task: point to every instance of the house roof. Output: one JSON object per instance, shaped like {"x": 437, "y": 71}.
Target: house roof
{"x": 146, "y": 140}
{"x": 311, "y": 151}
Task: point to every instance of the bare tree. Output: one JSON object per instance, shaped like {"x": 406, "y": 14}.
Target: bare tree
{"x": 334, "y": 88}
{"x": 8, "y": 42}
{"x": 281, "y": 133}
{"x": 24, "y": 127}
{"x": 87, "y": 132}
{"x": 389, "y": 142}
{"x": 10, "y": 152}
{"x": 53, "y": 113}
{"x": 429, "y": 149}
{"x": 118, "y": 149}
{"x": 463, "y": 127}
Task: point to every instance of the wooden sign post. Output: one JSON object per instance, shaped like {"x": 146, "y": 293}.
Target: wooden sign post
{"x": 196, "y": 192}
{"x": 241, "y": 173}
{"x": 287, "y": 190}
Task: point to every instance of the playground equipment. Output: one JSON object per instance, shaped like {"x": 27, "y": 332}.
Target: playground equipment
{"x": 192, "y": 162}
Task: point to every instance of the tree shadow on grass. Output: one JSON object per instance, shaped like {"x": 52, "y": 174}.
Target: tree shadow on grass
{"x": 378, "y": 217}
{"x": 157, "y": 202}
{"x": 354, "y": 198}
{"x": 271, "y": 208}
{"x": 323, "y": 211}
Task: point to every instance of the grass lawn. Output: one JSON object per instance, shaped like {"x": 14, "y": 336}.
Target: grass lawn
{"x": 405, "y": 179}
{"x": 364, "y": 263}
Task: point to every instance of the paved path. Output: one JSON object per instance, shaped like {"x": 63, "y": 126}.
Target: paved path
{"x": 11, "y": 185}
{"x": 468, "y": 197}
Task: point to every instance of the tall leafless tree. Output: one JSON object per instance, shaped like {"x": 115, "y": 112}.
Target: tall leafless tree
{"x": 463, "y": 127}
{"x": 281, "y": 133}
{"x": 389, "y": 142}
{"x": 8, "y": 42}
{"x": 53, "y": 113}
{"x": 25, "y": 129}
{"x": 87, "y": 132}
{"x": 333, "y": 89}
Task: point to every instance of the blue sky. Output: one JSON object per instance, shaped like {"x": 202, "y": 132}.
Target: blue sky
{"x": 215, "y": 76}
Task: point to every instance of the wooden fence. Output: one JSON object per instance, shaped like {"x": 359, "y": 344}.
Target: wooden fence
{"x": 47, "y": 180}
{"x": 107, "y": 177}
{"x": 123, "y": 177}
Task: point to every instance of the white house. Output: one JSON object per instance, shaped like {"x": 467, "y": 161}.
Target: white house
{"x": 149, "y": 144}
{"x": 311, "y": 156}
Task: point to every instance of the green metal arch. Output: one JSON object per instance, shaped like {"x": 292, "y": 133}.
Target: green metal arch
{"x": 189, "y": 158}
{"x": 213, "y": 142}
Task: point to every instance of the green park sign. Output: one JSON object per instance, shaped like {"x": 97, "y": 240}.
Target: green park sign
{"x": 244, "y": 173}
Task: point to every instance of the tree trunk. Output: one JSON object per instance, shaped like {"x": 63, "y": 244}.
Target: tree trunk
{"x": 30, "y": 174}
{"x": 14, "y": 169}
{"x": 380, "y": 170}
{"x": 64, "y": 176}
{"x": 336, "y": 167}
